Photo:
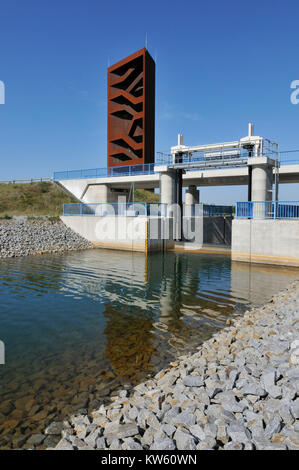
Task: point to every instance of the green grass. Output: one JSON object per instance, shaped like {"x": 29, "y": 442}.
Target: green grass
{"x": 44, "y": 198}
{"x": 142, "y": 195}
{"x": 32, "y": 199}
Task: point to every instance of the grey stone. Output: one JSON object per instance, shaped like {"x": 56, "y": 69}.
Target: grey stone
{"x": 101, "y": 443}
{"x": 193, "y": 381}
{"x": 50, "y": 441}
{"x": 230, "y": 383}
{"x": 183, "y": 418}
{"x": 169, "y": 429}
{"x": 78, "y": 443}
{"x": 228, "y": 402}
{"x": 233, "y": 446}
{"x": 184, "y": 441}
{"x": 111, "y": 428}
{"x": 172, "y": 413}
{"x": 292, "y": 441}
{"x": 273, "y": 427}
{"x": 63, "y": 443}
{"x": 295, "y": 408}
{"x": 152, "y": 421}
{"x": 197, "y": 431}
{"x": 207, "y": 444}
{"x": 228, "y": 416}
{"x": 127, "y": 430}
{"x": 148, "y": 436}
{"x": 210, "y": 430}
{"x": 66, "y": 447}
{"x": 268, "y": 382}
{"x": 133, "y": 445}
{"x": 253, "y": 389}
{"x": 163, "y": 444}
{"x": 238, "y": 432}
{"x": 91, "y": 439}
{"x": 293, "y": 372}
{"x": 55, "y": 428}
{"x": 36, "y": 439}
{"x": 133, "y": 413}
{"x": 115, "y": 444}
{"x": 212, "y": 391}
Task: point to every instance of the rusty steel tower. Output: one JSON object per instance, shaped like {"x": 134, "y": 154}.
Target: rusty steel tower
{"x": 131, "y": 110}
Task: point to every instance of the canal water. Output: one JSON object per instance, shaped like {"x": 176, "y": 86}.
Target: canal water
{"x": 78, "y": 326}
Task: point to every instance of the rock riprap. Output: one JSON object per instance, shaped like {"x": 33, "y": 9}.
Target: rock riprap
{"x": 240, "y": 390}
{"x": 22, "y": 237}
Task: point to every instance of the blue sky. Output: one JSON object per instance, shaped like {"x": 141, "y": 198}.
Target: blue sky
{"x": 219, "y": 65}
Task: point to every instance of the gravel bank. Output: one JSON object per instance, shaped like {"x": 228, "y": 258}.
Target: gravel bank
{"x": 22, "y": 237}
{"x": 238, "y": 391}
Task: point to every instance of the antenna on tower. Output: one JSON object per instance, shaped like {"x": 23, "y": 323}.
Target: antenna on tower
{"x": 145, "y": 40}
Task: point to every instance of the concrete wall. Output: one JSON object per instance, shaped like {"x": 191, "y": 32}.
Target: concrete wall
{"x": 119, "y": 233}
{"x": 266, "y": 241}
{"x": 144, "y": 234}
{"x": 148, "y": 234}
{"x": 217, "y": 230}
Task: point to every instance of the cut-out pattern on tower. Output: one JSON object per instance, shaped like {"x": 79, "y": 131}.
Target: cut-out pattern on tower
{"x": 131, "y": 110}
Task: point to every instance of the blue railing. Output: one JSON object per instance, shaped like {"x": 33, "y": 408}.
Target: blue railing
{"x": 289, "y": 157}
{"x": 115, "y": 209}
{"x": 146, "y": 169}
{"x": 267, "y": 210}
{"x": 285, "y": 158}
{"x": 212, "y": 210}
{"x": 142, "y": 208}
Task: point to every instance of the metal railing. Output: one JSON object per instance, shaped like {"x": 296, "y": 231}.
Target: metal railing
{"x": 145, "y": 169}
{"x": 225, "y": 160}
{"x": 129, "y": 209}
{"x": 143, "y": 209}
{"x": 28, "y": 180}
{"x": 289, "y": 157}
{"x": 267, "y": 210}
{"x": 210, "y": 210}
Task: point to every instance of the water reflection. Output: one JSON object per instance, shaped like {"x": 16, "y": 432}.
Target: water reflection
{"x": 78, "y": 325}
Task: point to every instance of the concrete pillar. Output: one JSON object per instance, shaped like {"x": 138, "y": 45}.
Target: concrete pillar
{"x": 191, "y": 198}
{"x": 192, "y": 195}
{"x": 168, "y": 187}
{"x": 261, "y": 189}
{"x": 171, "y": 195}
{"x": 261, "y": 184}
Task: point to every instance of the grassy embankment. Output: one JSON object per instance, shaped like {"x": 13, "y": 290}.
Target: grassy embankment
{"x": 44, "y": 198}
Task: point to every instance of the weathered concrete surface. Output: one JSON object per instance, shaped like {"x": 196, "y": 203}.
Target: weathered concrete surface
{"x": 240, "y": 390}
{"x": 266, "y": 241}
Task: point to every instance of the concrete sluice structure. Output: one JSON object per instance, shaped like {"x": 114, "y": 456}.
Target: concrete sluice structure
{"x": 259, "y": 237}
{"x": 143, "y": 232}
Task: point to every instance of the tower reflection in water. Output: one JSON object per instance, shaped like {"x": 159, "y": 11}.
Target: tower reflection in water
{"x": 178, "y": 308}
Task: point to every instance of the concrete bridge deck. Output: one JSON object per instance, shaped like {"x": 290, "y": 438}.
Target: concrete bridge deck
{"x": 91, "y": 189}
